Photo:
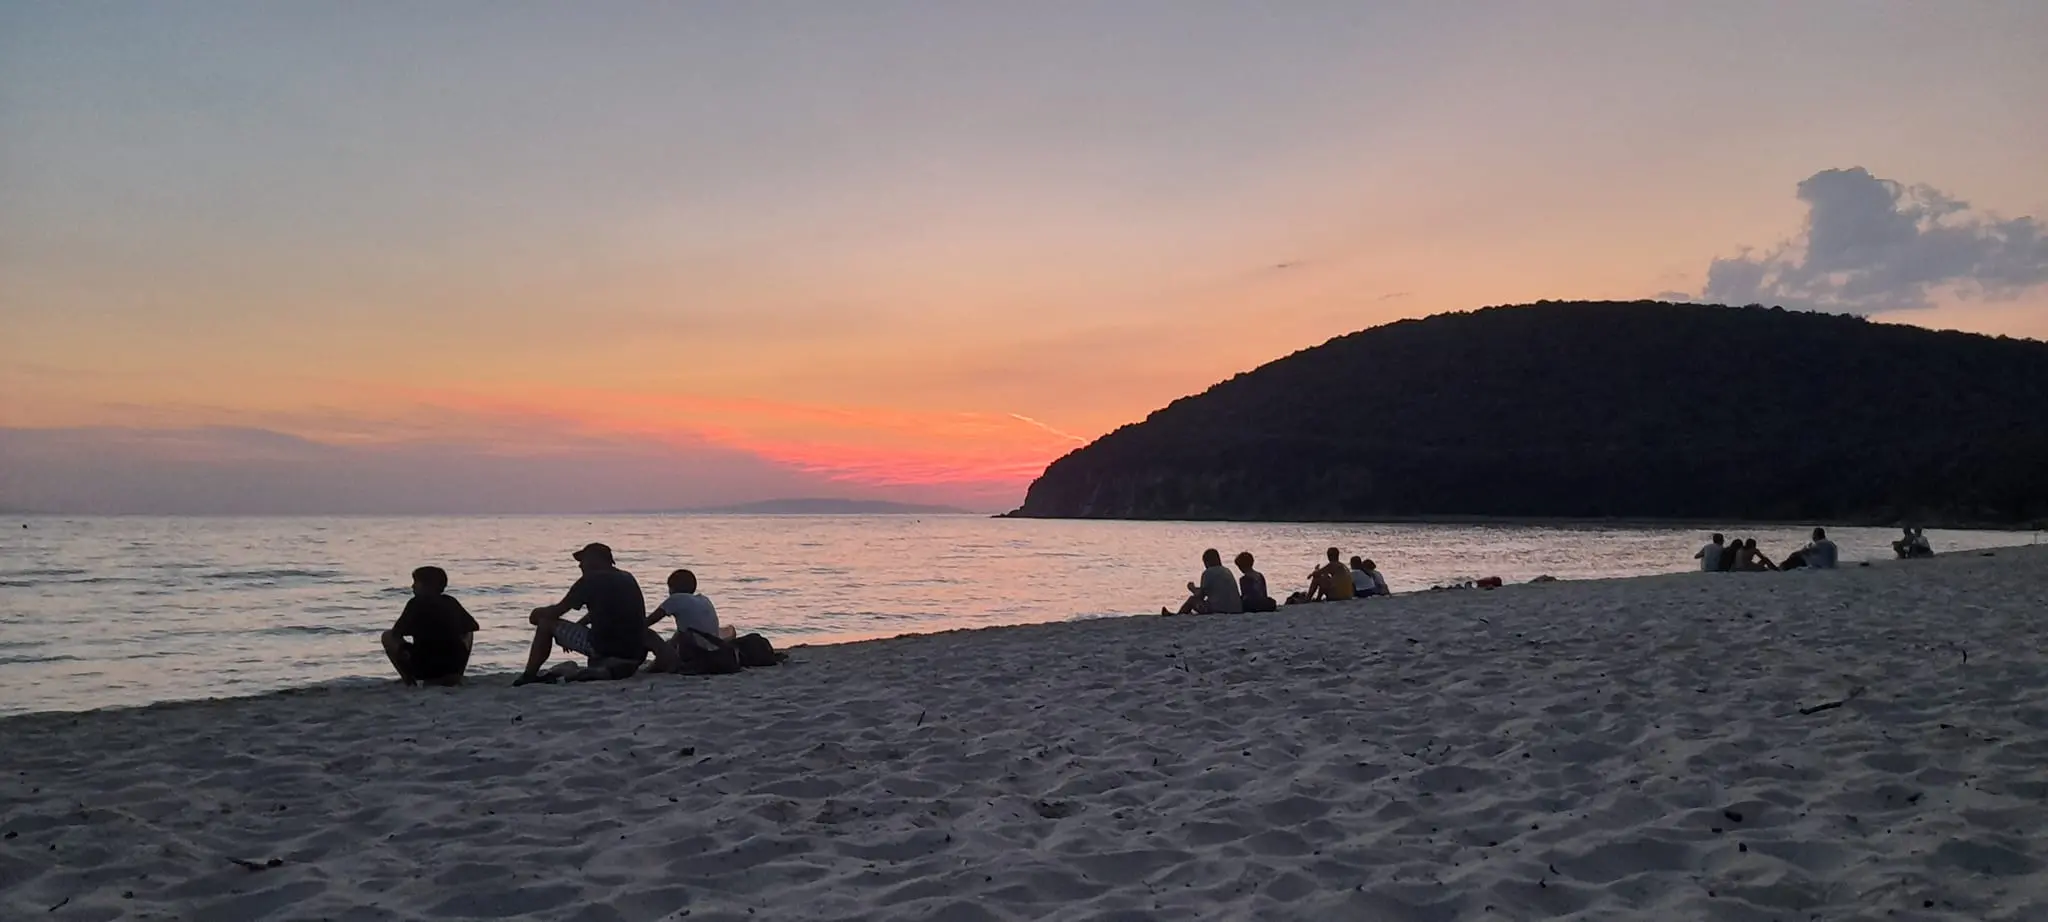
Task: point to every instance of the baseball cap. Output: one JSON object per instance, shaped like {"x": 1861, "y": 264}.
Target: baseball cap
{"x": 595, "y": 553}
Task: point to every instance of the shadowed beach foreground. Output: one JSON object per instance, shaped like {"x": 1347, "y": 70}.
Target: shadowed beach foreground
{"x": 1624, "y": 748}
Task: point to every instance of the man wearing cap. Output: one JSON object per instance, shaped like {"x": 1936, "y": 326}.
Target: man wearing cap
{"x": 612, "y": 634}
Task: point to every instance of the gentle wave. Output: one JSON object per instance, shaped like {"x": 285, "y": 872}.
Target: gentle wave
{"x": 289, "y": 630}
{"x": 492, "y": 591}
{"x": 269, "y": 574}
{"x": 84, "y": 581}
{"x": 6, "y": 660}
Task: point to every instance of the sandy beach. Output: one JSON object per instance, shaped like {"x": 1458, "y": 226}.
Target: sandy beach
{"x": 1583, "y": 750}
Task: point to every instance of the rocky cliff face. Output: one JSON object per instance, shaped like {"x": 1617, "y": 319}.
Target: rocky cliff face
{"x": 1594, "y": 409}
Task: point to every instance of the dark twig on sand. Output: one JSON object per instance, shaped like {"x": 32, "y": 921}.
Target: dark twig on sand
{"x": 258, "y": 866}
{"x": 60, "y": 903}
{"x": 1854, "y": 694}
{"x": 920, "y": 719}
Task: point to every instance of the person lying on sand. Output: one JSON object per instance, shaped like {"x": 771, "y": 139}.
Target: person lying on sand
{"x": 613, "y": 634}
{"x": 1216, "y": 594}
{"x": 1330, "y": 582}
{"x": 1251, "y": 587}
{"x": 440, "y": 629}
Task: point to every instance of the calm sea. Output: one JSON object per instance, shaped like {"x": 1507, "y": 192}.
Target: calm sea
{"x": 129, "y": 610}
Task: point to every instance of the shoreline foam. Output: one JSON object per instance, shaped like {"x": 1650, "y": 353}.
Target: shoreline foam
{"x": 1581, "y": 749}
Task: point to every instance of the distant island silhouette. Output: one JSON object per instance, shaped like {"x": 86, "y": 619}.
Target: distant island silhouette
{"x": 1594, "y": 410}
{"x": 814, "y": 507}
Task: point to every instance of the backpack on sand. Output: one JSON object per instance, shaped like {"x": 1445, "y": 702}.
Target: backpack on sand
{"x": 704, "y": 654}
{"x": 755, "y": 650}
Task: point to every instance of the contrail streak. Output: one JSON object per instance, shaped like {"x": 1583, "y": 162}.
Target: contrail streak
{"x": 1065, "y": 435}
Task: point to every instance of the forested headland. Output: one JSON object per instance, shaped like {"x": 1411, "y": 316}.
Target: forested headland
{"x": 1594, "y": 410}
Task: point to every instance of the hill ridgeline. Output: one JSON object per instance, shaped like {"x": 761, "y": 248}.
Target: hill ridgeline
{"x": 1635, "y": 410}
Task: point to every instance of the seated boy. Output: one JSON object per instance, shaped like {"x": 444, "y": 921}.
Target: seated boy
{"x": 692, "y": 611}
{"x": 1251, "y": 587}
{"x": 441, "y": 631}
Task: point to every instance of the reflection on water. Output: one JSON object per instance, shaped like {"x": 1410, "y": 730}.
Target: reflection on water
{"x": 127, "y": 610}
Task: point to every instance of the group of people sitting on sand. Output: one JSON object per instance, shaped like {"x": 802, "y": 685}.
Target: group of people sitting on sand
{"x": 1741, "y": 555}
{"x": 1217, "y": 592}
{"x": 431, "y": 641}
{"x": 1721, "y": 555}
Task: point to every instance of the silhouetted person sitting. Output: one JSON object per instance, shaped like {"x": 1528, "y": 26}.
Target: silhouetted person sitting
{"x": 1330, "y": 582}
{"x": 1711, "y": 555}
{"x": 1251, "y": 587}
{"x": 1729, "y": 555}
{"x": 1818, "y": 554}
{"x": 1216, "y": 594}
{"x": 697, "y": 628}
{"x": 1375, "y": 581}
{"x": 692, "y": 610}
{"x": 440, "y": 629}
{"x": 1749, "y": 559}
{"x": 613, "y": 634}
{"x": 1913, "y": 544}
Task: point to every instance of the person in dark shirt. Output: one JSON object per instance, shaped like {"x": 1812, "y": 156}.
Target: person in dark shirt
{"x": 1251, "y": 587}
{"x": 1729, "y": 555}
{"x": 613, "y": 633}
{"x": 441, "y": 633}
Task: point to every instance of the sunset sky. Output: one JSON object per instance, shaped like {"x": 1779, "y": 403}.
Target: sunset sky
{"x": 547, "y": 256}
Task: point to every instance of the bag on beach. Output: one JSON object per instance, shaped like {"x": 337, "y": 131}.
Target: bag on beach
{"x": 703, "y": 654}
{"x": 754, "y": 650}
